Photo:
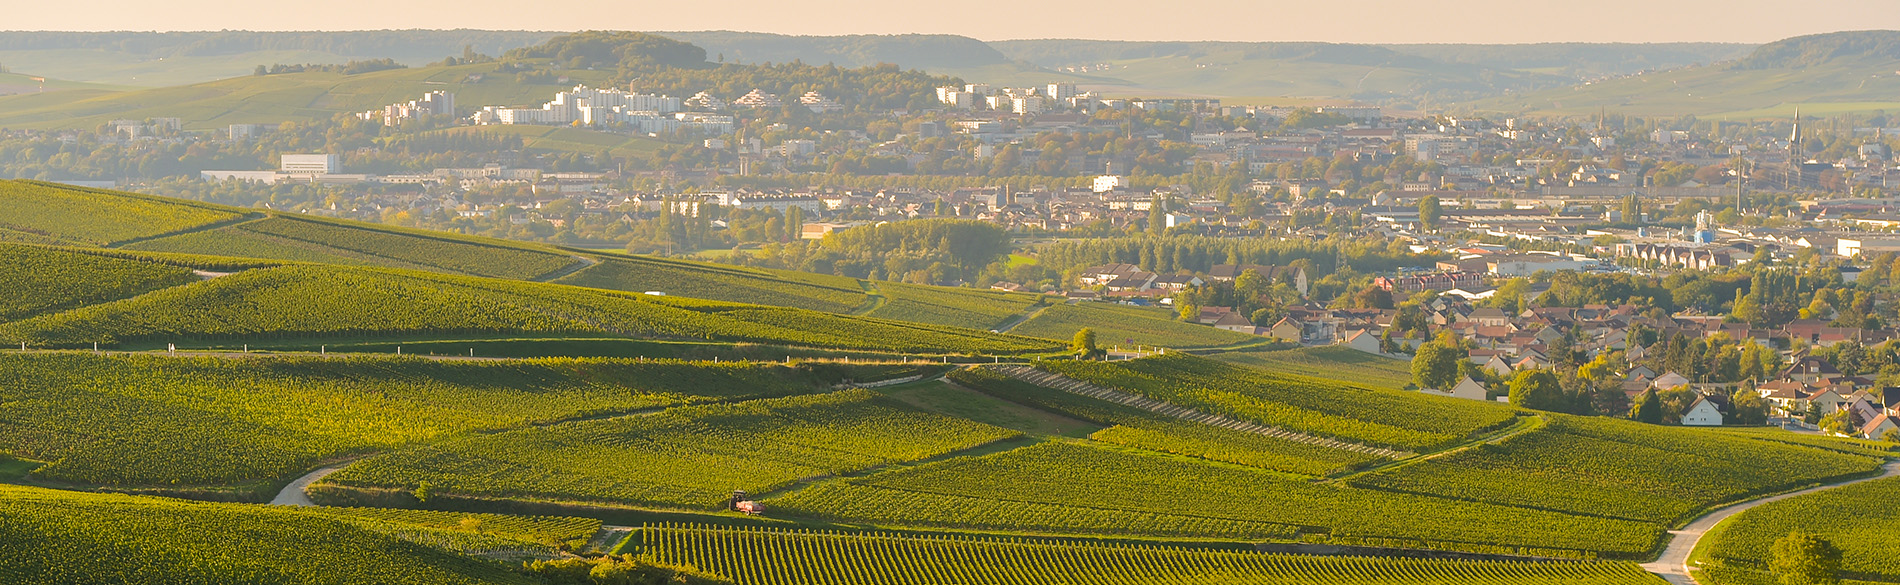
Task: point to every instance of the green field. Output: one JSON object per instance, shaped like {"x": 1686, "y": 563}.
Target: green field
{"x": 314, "y": 302}
{"x": 1848, "y": 83}
{"x": 779, "y": 557}
{"x": 1854, "y": 518}
{"x": 51, "y": 536}
{"x": 348, "y": 243}
{"x": 715, "y": 282}
{"x": 970, "y": 308}
{"x": 1143, "y": 429}
{"x": 1069, "y": 478}
{"x": 180, "y": 422}
{"x": 1620, "y": 469}
{"x": 70, "y": 214}
{"x": 690, "y": 457}
{"x": 961, "y": 402}
{"x": 1308, "y": 405}
{"x": 1331, "y": 362}
{"x": 1125, "y": 326}
{"x": 41, "y": 280}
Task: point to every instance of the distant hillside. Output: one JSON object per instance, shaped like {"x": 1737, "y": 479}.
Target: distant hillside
{"x": 154, "y": 59}
{"x": 1825, "y": 49}
{"x": 1822, "y": 74}
{"x": 1581, "y": 60}
{"x": 907, "y": 51}
{"x": 1254, "y": 70}
{"x": 288, "y": 97}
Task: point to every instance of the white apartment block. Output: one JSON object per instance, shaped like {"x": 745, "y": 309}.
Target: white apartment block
{"x": 1061, "y": 91}
{"x": 309, "y": 164}
{"x": 1028, "y": 105}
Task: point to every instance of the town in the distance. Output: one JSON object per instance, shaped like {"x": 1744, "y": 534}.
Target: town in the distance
{"x": 619, "y": 308}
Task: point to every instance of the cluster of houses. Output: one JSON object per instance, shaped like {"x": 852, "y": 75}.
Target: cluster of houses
{"x": 1505, "y": 342}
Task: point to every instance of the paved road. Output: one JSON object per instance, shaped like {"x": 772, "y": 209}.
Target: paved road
{"x": 292, "y": 495}
{"x": 1673, "y": 564}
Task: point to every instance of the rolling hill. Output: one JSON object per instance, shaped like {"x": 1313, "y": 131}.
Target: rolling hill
{"x": 1239, "y": 70}
{"x": 1821, "y": 74}
{"x": 204, "y": 77}
{"x": 912, "y": 51}
{"x": 219, "y": 238}
{"x": 157, "y": 59}
{"x": 145, "y": 540}
{"x": 270, "y": 99}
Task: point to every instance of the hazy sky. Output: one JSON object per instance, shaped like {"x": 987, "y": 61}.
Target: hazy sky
{"x": 1361, "y": 21}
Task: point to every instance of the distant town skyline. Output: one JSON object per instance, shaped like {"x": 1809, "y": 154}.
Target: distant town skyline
{"x": 1373, "y": 21}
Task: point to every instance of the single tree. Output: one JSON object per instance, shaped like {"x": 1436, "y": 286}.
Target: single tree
{"x": 1435, "y": 366}
{"x": 1539, "y": 390}
{"x": 1429, "y": 212}
{"x": 1084, "y": 342}
{"x": 1746, "y": 408}
{"x": 1649, "y": 408}
{"x": 1806, "y": 559}
{"x": 1157, "y": 216}
{"x": 424, "y": 492}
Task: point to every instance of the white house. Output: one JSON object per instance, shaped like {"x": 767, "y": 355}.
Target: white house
{"x": 1702, "y": 414}
{"x": 1467, "y": 388}
{"x": 1669, "y": 380}
{"x": 1363, "y": 340}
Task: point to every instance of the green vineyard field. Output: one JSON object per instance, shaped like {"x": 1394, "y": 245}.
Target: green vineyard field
{"x": 1135, "y": 427}
{"x": 40, "y": 280}
{"x": 236, "y": 242}
{"x": 1069, "y": 476}
{"x": 1620, "y": 469}
{"x": 308, "y": 301}
{"x": 684, "y": 457}
{"x": 72, "y": 214}
{"x": 175, "y": 422}
{"x": 784, "y": 557}
{"x": 714, "y": 282}
{"x": 1311, "y": 405}
{"x": 334, "y": 242}
{"x": 970, "y": 308}
{"x": 57, "y": 537}
{"x": 1332, "y": 362}
{"x": 1127, "y": 326}
{"x": 1854, "y": 518}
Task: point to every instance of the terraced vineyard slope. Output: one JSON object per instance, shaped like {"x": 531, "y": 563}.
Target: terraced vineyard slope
{"x": 1072, "y": 488}
{"x": 40, "y": 280}
{"x": 304, "y": 302}
{"x": 1314, "y": 406}
{"x": 54, "y": 536}
{"x": 711, "y": 281}
{"x": 1072, "y": 386}
{"x": 51, "y": 213}
{"x": 685, "y": 457}
{"x": 1128, "y": 326}
{"x": 141, "y": 421}
{"x": 1156, "y": 431}
{"x": 1331, "y": 362}
{"x": 955, "y": 307}
{"x": 348, "y": 243}
{"x": 1621, "y": 469}
{"x": 783, "y": 557}
{"x": 1858, "y": 519}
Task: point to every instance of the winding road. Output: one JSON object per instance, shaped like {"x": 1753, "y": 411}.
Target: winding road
{"x": 292, "y": 495}
{"x": 1673, "y": 564}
